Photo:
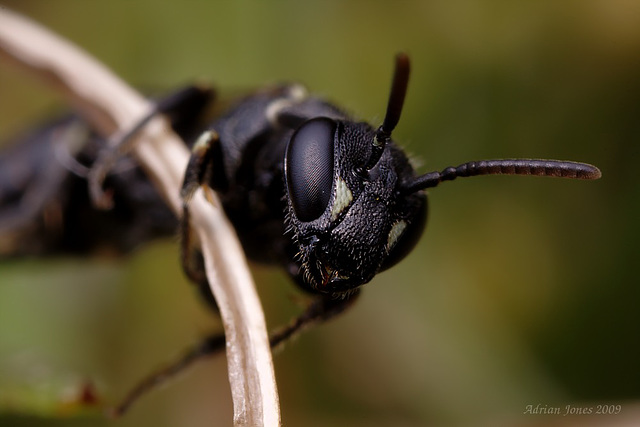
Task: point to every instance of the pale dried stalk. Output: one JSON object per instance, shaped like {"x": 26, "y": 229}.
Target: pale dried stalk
{"x": 110, "y": 105}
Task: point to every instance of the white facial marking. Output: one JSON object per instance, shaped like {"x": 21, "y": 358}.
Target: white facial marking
{"x": 395, "y": 233}
{"x": 342, "y": 200}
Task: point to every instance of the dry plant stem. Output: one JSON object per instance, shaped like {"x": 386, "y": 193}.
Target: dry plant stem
{"x": 110, "y": 105}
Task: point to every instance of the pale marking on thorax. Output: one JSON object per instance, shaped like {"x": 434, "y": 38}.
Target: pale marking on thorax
{"x": 295, "y": 93}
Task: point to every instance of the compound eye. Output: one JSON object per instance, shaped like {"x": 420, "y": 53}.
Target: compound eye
{"x": 308, "y": 166}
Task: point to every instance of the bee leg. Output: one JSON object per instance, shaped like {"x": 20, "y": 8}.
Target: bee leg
{"x": 181, "y": 107}
{"x": 206, "y": 347}
{"x": 204, "y": 170}
{"x": 206, "y": 166}
{"x": 319, "y": 310}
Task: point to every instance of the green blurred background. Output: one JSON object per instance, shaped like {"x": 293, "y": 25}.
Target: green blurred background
{"x": 522, "y": 291}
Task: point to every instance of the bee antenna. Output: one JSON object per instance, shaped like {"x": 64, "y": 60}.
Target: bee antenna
{"x": 534, "y": 167}
{"x": 394, "y": 108}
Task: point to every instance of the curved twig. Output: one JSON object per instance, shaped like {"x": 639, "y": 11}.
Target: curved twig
{"x": 110, "y": 105}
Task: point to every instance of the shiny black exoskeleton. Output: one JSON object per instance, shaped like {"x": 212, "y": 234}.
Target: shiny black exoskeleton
{"x": 353, "y": 205}
{"x": 306, "y": 186}
{"x": 332, "y": 199}
{"x": 344, "y": 221}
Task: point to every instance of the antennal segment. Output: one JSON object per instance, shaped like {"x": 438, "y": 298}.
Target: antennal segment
{"x": 553, "y": 168}
{"x": 394, "y": 108}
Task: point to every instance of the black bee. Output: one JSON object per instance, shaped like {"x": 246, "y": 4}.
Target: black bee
{"x": 332, "y": 200}
{"x": 353, "y": 205}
